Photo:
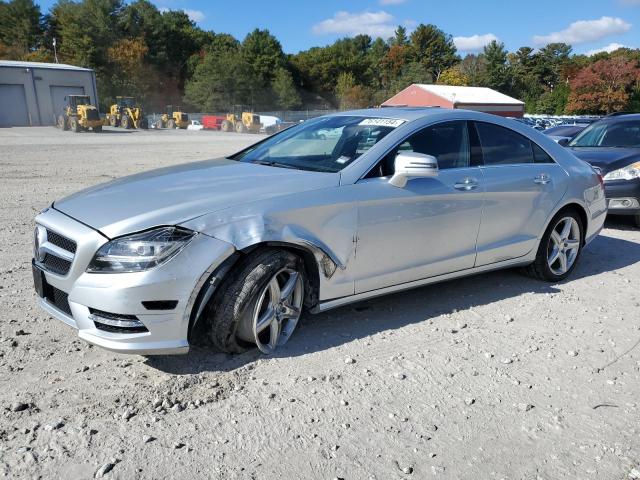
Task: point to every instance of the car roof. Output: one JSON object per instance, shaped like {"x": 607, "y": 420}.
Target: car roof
{"x": 403, "y": 113}
{"x": 620, "y": 118}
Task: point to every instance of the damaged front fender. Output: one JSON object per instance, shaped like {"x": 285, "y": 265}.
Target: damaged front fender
{"x": 319, "y": 224}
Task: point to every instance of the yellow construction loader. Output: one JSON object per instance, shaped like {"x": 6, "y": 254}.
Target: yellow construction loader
{"x": 126, "y": 113}
{"x": 174, "y": 118}
{"x": 241, "y": 120}
{"x": 79, "y": 115}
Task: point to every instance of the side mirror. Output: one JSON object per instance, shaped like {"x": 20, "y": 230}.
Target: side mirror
{"x": 413, "y": 165}
{"x": 563, "y": 142}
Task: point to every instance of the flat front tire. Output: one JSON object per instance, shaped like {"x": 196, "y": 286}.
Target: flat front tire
{"x": 259, "y": 303}
{"x": 559, "y": 249}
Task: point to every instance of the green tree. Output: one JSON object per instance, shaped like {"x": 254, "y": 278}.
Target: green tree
{"x": 434, "y": 49}
{"x": 285, "y": 90}
{"x": 400, "y": 39}
{"x": 263, "y": 52}
{"x": 221, "y": 80}
{"x": 21, "y": 27}
{"x": 497, "y": 72}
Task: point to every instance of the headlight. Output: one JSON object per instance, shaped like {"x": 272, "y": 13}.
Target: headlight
{"x": 141, "y": 251}
{"x": 629, "y": 172}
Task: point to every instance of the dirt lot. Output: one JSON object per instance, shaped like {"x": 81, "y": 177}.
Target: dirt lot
{"x": 495, "y": 376}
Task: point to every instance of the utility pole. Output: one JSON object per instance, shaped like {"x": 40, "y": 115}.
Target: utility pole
{"x": 55, "y": 51}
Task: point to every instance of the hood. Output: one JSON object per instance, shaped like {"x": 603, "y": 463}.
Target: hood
{"x": 173, "y": 195}
{"x": 607, "y": 158}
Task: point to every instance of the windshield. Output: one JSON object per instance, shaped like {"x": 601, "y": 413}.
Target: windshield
{"x": 80, "y": 100}
{"x": 609, "y": 134}
{"x": 324, "y": 145}
{"x": 127, "y": 102}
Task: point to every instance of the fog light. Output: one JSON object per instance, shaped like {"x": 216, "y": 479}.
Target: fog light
{"x": 623, "y": 203}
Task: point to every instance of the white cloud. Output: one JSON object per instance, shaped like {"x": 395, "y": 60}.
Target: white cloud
{"x": 376, "y": 24}
{"x": 473, "y": 43}
{"x": 195, "y": 15}
{"x": 612, "y": 47}
{"x": 584, "y": 31}
{"x": 391, "y": 2}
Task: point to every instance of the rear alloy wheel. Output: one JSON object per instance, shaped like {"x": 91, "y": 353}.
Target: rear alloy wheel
{"x": 125, "y": 122}
{"x": 259, "y": 304}
{"x": 559, "y": 248}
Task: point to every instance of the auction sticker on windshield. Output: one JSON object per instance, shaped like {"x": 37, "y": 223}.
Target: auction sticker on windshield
{"x": 381, "y": 122}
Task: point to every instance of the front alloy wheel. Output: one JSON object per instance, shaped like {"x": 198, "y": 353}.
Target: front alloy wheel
{"x": 276, "y": 312}
{"x": 259, "y": 302}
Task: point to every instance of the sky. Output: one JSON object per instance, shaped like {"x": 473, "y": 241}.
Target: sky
{"x": 588, "y": 25}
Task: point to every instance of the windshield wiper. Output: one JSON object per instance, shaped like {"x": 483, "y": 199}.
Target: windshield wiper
{"x": 276, "y": 164}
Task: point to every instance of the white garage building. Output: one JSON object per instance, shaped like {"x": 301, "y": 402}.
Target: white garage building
{"x": 32, "y": 93}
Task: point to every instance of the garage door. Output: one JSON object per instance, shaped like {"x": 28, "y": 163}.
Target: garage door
{"x": 58, "y": 92}
{"x": 14, "y": 106}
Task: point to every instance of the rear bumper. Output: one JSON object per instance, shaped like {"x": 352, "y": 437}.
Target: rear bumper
{"x": 623, "y": 197}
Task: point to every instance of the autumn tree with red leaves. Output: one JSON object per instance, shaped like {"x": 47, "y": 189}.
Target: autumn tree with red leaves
{"x": 603, "y": 87}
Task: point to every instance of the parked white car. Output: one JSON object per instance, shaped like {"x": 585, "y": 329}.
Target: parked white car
{"x": 195, "y": 125}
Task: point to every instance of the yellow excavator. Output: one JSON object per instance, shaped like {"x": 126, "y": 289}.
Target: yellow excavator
{"x": 79, "y": 114}
{"x": 126, "y": 113}
{"x": 174, "y": 118}
{"x": 241, "y": 120}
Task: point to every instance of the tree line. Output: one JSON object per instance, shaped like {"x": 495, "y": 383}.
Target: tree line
{"x": 162, "y": 57}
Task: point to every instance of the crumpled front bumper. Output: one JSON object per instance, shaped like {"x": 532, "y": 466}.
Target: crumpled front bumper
{"x": 180, "y": 279}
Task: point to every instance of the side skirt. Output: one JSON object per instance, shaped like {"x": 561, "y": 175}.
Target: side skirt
{"x": 339, "y": 302}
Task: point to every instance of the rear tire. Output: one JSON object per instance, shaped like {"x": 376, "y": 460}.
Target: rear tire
{"x": 240, "y": 128}
{"x": 125, "y": 121}
{"x": 566, "y": 249}
{"x": 241, "y": 291}
{"x": 226, "y": 126}
{"x": 63, "y": 123}
{"x": 113, "y": 121}
{"x": 171, "y": 124}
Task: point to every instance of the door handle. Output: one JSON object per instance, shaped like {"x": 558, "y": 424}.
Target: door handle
{"x": 467, "y": 183}
{"x": 542, "y": 179}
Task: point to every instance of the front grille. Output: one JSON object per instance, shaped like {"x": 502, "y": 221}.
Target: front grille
{"x": 62, "y": 242}
{"x": 58, "y": 299}
{"x": 92, "y": 114}
{"x": 56, "y": 265}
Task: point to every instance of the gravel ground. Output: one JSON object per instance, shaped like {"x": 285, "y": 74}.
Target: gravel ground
{"x": 494, "y": 376}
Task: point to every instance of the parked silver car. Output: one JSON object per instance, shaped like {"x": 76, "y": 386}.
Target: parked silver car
{"x": 335, "y": 210}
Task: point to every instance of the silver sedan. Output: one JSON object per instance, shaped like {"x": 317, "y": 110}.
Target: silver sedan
{"x": 336, "y": 210}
